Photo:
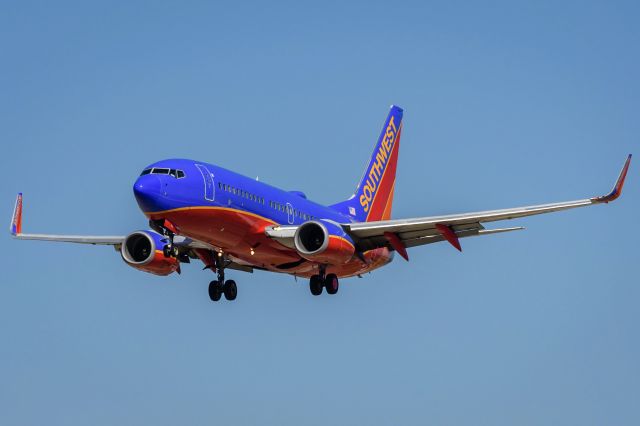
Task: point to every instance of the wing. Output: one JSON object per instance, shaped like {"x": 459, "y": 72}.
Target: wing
{"x": 402, "y": 233}
{"x": 16, "y": 231}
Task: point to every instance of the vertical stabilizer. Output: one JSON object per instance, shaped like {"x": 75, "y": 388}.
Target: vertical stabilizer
{"x": 373, "y": 198}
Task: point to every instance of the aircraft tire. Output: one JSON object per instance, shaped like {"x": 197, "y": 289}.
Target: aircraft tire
{"x": 215, "y": 291}
{"x": 230, "y": 290}
{"x": 315, "y": 285}
{"x": 166, "y": 250}
{"x": 332, "y": 284}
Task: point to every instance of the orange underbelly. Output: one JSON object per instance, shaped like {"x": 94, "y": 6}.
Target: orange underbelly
{"x": 240, "y": 233}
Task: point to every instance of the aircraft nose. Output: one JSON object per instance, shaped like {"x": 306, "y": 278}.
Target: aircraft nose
{"x": 147, "y": 190}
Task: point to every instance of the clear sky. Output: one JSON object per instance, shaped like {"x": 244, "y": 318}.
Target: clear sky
{"x": 506, "y": 104}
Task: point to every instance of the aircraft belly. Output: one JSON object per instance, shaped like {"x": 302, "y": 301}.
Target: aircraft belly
{"x": 234, "y": 231}
{"x": 239, "y": 233}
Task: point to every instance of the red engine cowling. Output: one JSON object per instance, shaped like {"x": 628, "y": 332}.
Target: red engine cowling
{"x": 323, "y": 242}
{"x": 143, "y": 250}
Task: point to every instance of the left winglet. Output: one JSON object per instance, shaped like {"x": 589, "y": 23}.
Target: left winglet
{"x": 16, "y": 220}
{"x": 617, "y": 188}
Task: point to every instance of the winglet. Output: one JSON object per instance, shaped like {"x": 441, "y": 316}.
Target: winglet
{"x": 16, "y": 220}
{"x": 617, "y": 188}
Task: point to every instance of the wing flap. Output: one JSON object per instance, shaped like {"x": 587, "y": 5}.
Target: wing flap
{"x": 419, "y": 241}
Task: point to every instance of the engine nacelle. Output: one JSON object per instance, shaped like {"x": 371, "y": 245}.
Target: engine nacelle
{"x": 323, "y": 241}
{"x": 143, "y": 250}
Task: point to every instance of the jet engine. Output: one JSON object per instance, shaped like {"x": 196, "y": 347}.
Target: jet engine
{"x": 143, "y": 250}
{"x": 323, "y": 241}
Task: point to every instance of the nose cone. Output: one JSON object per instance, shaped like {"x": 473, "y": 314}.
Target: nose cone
{"x": 147, "y": 191}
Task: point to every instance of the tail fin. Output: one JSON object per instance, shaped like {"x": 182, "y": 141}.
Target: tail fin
{"x": 374, "y": 195}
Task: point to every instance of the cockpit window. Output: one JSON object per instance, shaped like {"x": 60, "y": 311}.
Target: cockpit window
{"x": 178, "y": 174}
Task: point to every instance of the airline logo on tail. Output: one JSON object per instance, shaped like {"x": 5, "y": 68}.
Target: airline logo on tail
{"x": 377, "y": 169}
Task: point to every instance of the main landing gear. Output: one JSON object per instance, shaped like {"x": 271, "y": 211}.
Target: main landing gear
{"x": 219, "y": 287}
{"x": 320, "y": 281}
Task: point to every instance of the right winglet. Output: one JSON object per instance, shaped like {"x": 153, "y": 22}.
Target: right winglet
{"x": 16, "y": 220}
{"x": 617, "y": 188}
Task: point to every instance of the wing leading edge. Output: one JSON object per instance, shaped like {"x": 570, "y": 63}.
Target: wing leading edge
{"x": 402, "y": 233}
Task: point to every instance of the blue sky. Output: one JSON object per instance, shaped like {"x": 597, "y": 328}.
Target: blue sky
{"x": 506, "y": 104}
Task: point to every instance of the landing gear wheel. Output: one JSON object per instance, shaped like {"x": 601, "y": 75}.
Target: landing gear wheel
{"x": 166, "y": 250}
{"x": 315, "y": 285}
{"x": 175, "y": 252}
{"x": 215, "y": 291}
{"x": 331, "y": 283}
{"x": 230, "y": 290}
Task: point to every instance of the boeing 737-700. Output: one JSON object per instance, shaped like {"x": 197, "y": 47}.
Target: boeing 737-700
{"x": 198, "y": 210}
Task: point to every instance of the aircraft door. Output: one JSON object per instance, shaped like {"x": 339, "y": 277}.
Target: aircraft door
{"x": 290, "y": 216}
{"x": 209, "y": 189}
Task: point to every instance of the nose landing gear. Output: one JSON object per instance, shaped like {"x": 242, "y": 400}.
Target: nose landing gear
{"x": 167, "y": 229}
{"x": 170, "y": 250}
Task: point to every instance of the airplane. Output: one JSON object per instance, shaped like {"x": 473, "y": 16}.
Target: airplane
{"x": 198, "y": 210}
